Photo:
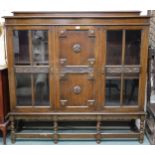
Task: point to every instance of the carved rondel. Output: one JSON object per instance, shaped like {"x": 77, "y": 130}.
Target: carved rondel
{"x": 77, "y": 89}
{"x": 76, "y": 48}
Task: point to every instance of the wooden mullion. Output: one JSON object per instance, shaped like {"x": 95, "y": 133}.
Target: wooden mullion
{"x": 33, "y": 89}
{"x": 31, "y": 63}
{"x": 123, "y": 46}
{"x": 123, "y": 62}
{"x": 51, "y": 59}
{"x": 53, "y": 63}
{"x": 97, "y": 66}
{"x": 57, "y": 88}
{"x": 30, "y": 46}
{"x": 102, "y": 64}
{"x": 121, "y": 91}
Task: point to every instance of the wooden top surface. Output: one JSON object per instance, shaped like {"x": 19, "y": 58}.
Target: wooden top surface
{"x": 73, "y": 13}
{"x": 76, "y": 18}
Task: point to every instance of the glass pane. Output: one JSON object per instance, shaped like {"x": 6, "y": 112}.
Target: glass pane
{"x": 113, "y": 92}
{"x": 41, "y": 85}
{"x": 23, "y": 89}
{"x": 133, "y": 41}
{"x": 21, "y": 47}
{"x": 114, "y": 47}
{"x": 40, "y": 46}
{"x": 130, "y": 95}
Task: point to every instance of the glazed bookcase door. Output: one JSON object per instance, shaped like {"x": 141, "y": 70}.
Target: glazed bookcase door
{"x": 122, "y": 70}
{"x": 77, "y": 68}
{"x": 31, "y": 68}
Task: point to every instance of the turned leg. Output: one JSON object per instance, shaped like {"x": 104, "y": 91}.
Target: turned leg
{"x": 55, "y": 132}
{"x": 12, "y": 130}
{"x": 3, "y": 129}
{"x": 141, "y": 137}
{"x": 4, "y": 134}
{"x": 98, "y": 135}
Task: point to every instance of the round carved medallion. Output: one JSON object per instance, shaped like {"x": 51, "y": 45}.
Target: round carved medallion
{"x": 77, "y": 89}
{"x": 76, "y": 48}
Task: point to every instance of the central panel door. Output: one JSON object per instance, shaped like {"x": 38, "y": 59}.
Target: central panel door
{"x": 77, "y": 68}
